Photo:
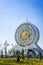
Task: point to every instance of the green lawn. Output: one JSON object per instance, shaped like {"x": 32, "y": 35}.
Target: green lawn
{"x": 13, "y": 61}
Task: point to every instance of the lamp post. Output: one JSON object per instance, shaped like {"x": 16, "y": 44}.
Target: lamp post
{"x": 13, "y": 48}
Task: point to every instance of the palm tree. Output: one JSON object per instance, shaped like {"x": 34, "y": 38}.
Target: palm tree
{"x": 5, "y": 46}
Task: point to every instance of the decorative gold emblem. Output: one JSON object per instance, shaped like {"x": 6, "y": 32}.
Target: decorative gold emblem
{"x": 25, "y": 35}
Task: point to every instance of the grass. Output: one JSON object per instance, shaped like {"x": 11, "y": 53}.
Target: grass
{"x": 13, "y": 61}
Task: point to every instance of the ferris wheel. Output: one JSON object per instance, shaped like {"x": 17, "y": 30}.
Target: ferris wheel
{"x": 26, "y": 34}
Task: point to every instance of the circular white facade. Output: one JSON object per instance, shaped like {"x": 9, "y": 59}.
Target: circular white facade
{"x": 26, "y": 34}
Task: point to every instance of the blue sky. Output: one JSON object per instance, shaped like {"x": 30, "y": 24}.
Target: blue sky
{"x": 15, "y": 12}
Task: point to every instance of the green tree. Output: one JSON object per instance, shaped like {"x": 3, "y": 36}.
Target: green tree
{"x": 18, "y": 56}
{"x": 23, "y": 53}
{"x": 1, "y": 53}
{"x": 40, "y": 55}
{"x": 1, "y": 50}
{"x": 5, "y": 46}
